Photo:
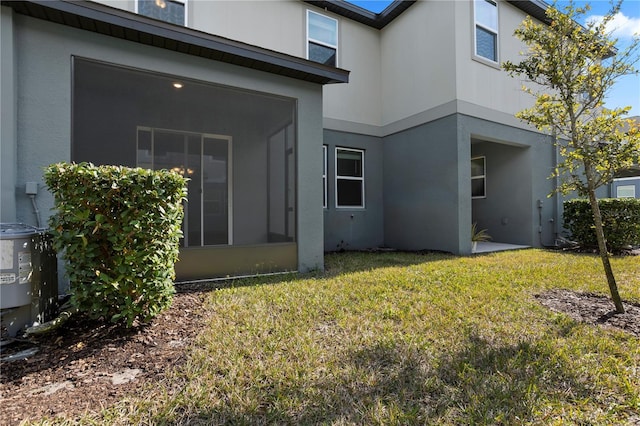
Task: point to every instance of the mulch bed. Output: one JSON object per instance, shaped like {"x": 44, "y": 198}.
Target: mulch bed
{"x": 86, "y": 365}
{"x": 593, "y": 309}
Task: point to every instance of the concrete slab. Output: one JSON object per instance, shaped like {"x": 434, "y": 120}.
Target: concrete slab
{"x": 490, "y": 247}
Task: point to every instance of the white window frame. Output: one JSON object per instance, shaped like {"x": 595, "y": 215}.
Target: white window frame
{"x": 482, "y": 176}
{"x": 322, "y": 43}
{"x": 325, "y": 198}
{"x": 185, "y": 3}
{"x": 338, "y": 177}
{"x": 494, "y": 31}
{"x": 203, "y": 136}
{"x": 626, "y": 187}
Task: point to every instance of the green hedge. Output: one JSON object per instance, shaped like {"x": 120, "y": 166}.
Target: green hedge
{"x": 118, "y": 229}
{"x": 620, "y": 217}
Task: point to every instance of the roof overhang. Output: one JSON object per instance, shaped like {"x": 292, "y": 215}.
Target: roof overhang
{"x": 358, "y": 14}
{"x": 535, "y": 8}
{"x": 102, "y": 19}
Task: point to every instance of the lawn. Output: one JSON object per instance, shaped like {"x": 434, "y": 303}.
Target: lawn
{"x": 401, "y": 338}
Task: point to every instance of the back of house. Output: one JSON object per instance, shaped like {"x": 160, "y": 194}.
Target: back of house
{"x": 304, "y": 126}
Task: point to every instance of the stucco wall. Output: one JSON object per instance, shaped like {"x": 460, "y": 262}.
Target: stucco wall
{"x": 427, "y": 198}
{"x": 418, "y": 60}
{"x": 8, "y": 127}
{"x": 360, "y": 100}
{"x": 277, "y": 25}
{"x": 43, "y": 56}
{"x": 355, "y": 228}
{"x": 478, "y": 81}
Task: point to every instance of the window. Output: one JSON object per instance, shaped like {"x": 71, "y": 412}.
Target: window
{"x": 626, "y": 191}
{"x": 172, "y": 11}
{"x": 324, "y": 176}
{"x": 486, "y": 29}
{"x": 478, "y": 178}
{"x": 322, "y": 39}
{"x": 349, "y": 177}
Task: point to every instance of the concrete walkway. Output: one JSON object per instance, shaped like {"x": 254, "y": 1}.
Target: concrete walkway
{"x": 489, "y": 247}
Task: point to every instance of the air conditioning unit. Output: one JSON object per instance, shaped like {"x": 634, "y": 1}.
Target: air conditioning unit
{"x": 28, "y": 278}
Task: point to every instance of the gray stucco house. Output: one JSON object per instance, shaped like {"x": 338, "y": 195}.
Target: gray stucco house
{"x": 289, "y": 154}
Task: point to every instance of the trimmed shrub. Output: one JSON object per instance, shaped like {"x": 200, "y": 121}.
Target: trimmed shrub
{"x": 620, "y": 218}
{"x": 118, "y": 229}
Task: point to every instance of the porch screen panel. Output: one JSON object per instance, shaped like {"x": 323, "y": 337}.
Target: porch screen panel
{"x": 291, "y": 183}
{"x": 277, "y": 194}
{"x": 144, "y": 152}
{"x": 181, "y": 153}
{"x": 193, "y": 207}
{"x": 215, "y": 167}
{"x": 217, "y": 136}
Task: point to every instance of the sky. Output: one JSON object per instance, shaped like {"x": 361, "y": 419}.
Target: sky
{"x": 626, "y": 92}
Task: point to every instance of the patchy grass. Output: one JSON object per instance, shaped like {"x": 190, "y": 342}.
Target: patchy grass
{"x": 398, "y": 338}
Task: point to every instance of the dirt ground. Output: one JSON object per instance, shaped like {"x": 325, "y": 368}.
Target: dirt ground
{"x": 86, "y": 365}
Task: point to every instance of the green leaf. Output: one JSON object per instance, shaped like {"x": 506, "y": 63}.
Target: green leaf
{"x": 108, "y": 225}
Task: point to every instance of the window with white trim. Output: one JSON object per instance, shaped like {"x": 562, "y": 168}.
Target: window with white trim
{"x": 324, "y": 176}
{"x": 478, "y": 177}
{"x": 173, "y": 11}
{"x": 626, "y": 191}
{"x": 349, "y": 177}
{"x": 486, "y": 29}
{"x": 322, "y": 39}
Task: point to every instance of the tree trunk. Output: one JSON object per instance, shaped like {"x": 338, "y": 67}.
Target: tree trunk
{"x": 604, "y": 254}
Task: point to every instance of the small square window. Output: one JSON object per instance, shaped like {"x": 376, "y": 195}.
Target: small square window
{"x": 626, "y": 191}
{"x": 486, "y": 44}
{"x": 172, "y": 11}
{"x": 349, "y": 177}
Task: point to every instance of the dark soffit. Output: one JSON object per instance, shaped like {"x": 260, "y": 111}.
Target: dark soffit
{"x": 535, "y": 8}
{"x": 129, "y": 26}
{"x": 358, "y": 14}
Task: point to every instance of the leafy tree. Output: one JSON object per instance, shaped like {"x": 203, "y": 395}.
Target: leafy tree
{"x": 572, "y": 69}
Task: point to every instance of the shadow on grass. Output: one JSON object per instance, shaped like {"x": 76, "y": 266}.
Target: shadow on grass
{"x": 359, "y": 261}
{"x": 484, "y": 383}
{"x": 392, "y": 382}
{"x": 336, "y": 263}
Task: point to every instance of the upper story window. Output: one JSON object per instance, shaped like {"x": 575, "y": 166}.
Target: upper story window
{"x": 486, "y": 29}
{"x": 349, "y": 177}
{"x": 173, "y": 11}
{"x": 322, "y": 39}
